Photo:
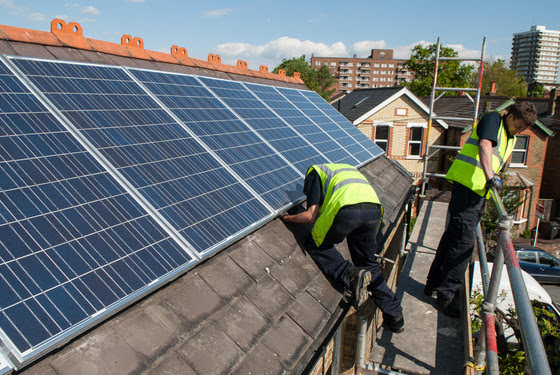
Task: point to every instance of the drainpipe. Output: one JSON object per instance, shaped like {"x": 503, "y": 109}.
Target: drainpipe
{"x": 361, "y": 342}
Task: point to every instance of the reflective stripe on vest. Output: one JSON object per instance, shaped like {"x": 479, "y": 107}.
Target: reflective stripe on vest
{"x": 342, "y": 185}
{"x": 467, "y": 170}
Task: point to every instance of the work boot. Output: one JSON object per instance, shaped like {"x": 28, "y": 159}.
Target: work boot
{"x": 428, "y": 290}
{"x": 359, "y": 280}
{"x": 448, "y": 307}
{"x": 396, "y": 324}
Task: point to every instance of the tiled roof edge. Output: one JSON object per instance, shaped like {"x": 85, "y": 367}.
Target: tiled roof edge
{"x": 70, "y": 34}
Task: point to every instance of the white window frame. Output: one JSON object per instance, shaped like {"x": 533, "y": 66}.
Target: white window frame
{"x": 415, "y": 125}
{"x": 389, "y": 124}
{"x": 524, "y": 151}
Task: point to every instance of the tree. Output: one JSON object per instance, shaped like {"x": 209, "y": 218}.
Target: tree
{"x": 536, "y": 90}
{"x": 508, "y": 82}
{"x": 319, "y": 80}
{"x": 451, "y": 73}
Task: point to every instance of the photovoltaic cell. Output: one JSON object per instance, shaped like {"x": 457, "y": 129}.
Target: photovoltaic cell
{"x": 224, "y": 133}
{"x": 73, "y": 242}
{"x": 368, "y": 149}
{"x": 309, "y": 122}
{"x": 186, "y": 185}
{"x": 244, "y": 100}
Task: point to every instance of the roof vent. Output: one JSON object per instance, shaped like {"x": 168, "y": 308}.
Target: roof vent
{"x": 263, "y": 69}
{"x": 60, "y": 26}
{"x": 214, "y": 58}
{"x": 242, "y": 64}
{"x": 179, "y": 51}
{"x": 128, "y": 41}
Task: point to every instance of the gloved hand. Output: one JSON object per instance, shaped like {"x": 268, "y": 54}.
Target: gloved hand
{"x": 496, "y": 182}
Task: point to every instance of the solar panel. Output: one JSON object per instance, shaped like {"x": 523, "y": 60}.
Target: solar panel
{"x": 236, "y": 144}
{"x": 74, "y": 244}
{"x": 114, "y": 180}
{"x": 192, "y": 190}
{"x": 368, "y": 149}
{"x": 310, "y": 122}
{"x": 243, "y": 98}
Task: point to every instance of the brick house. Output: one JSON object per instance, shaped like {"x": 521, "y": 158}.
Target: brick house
{"x": 397, "y": 121}
{"x": 527, "y": 162}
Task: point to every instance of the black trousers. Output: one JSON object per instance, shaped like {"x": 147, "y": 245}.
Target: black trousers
{"x": 358, "y": 224}
{"x": 457, "y": 243}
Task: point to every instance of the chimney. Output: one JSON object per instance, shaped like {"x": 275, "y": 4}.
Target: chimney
{"x": 552, "y": 102}
{"x": 492, "y": 88}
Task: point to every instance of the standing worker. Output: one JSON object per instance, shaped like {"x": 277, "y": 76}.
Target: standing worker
{"x": 472, "y": 173}
{"x": 342, "y": 204}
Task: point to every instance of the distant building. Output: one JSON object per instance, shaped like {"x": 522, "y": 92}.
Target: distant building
{"x": 535, "y": 55}
{"x": 380, "y": 69}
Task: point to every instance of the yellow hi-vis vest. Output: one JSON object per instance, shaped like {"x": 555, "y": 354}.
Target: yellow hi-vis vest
{"x": 342, "y": 185}
{"x": 467, "y": 170}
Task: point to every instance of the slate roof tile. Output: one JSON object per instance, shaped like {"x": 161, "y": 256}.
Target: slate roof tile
{"x": 172, "y": 364}
{"x": 195, "y": 301}
{"x": 146, "y": 335}
{"x": 211, "y": 351}
{"x": 225, "y": 277}
{"x": 309, "y": 314}
{"x": 251, "y": 258}
{"x": 270, "y": 298}
{"x": 323, "y": 292}
{"x": 261, "y": 361}
{"x": 273, "y": 244}
{"x": 287, "y": 340}
{"x": 295, "y": 273}
{"x": 243, "y": 322}
{"x": 117, "y": 357}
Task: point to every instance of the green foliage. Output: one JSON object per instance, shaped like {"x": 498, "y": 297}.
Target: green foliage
{"x": 536, "y": 90}
{"x": 508, "y": 82}
{"x": 450, "y": 73}
{"x": 527, "y": 233}
{"x": 319, "y": 80}
{"x": 513, "y": 360}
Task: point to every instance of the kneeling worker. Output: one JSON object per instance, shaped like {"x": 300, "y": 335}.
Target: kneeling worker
{"x": 342, "y": 204}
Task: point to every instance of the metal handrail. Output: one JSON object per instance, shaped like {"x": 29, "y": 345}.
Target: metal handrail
{"x": 530, "y": 334}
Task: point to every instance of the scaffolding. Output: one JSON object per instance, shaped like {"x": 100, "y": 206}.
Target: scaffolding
{"x": 444, "y": 90}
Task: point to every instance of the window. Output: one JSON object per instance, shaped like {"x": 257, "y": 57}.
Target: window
{"x": 415, "y": 141}
{"x": 519, "y": 153}
{"x": 382, "y": 136}
{"x": 545, "y": 258}
{"x": 527, "y": 256}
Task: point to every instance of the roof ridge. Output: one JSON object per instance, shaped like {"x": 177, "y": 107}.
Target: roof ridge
{"x": 70, "y": 34}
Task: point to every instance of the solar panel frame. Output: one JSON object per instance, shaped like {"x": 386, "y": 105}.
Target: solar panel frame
{"x": 15, "y": 354}
{"x": 195, "y": 237}
{"x": 174, "y": 102}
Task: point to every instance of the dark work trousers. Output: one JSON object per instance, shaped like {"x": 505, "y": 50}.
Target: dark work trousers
{"x": 358, "y": 224}
{"x": 456, "y": 245}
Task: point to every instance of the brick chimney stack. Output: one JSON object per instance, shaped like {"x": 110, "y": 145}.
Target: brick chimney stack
{"x": 552, "y": 102}
{"x": 492, "y": 88}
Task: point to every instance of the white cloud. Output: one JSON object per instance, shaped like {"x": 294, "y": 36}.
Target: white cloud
{"x": 36, "y": 16}
{"x": 363, "y": 48}
{"x": 272, "y": 53}
{"x": 216, "y": 13}
{"x": 91, "y": 10}
{"x": 71, "y": 5}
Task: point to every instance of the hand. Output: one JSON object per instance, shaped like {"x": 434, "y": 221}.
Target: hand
{"x": 495, "y": 182}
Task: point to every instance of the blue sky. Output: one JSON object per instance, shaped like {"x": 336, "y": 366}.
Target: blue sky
{"x": 264, "y": 32}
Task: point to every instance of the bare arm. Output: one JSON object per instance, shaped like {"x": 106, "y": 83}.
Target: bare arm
{"x": 308, "y": 216}
{"x": 485, "y": 155}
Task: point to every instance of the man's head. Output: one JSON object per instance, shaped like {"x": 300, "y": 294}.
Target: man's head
{"x": 520, "y": 116}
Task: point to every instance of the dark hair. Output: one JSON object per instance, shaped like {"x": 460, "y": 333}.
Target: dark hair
{"x": 525, "y": 111}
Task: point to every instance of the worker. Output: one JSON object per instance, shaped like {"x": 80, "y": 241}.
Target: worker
{"x": 472, "y": 173}
{"x": 342, "y": 204}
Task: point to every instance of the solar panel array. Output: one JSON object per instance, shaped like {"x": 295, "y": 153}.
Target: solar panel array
{"x": 114, "y": 180}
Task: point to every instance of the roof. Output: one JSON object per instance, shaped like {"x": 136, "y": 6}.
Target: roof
{"x": 258, "y": 306}
{"x": 358, "y": 105}
{"x": 462, "y": 106}
{"x": 66, "y": 41}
